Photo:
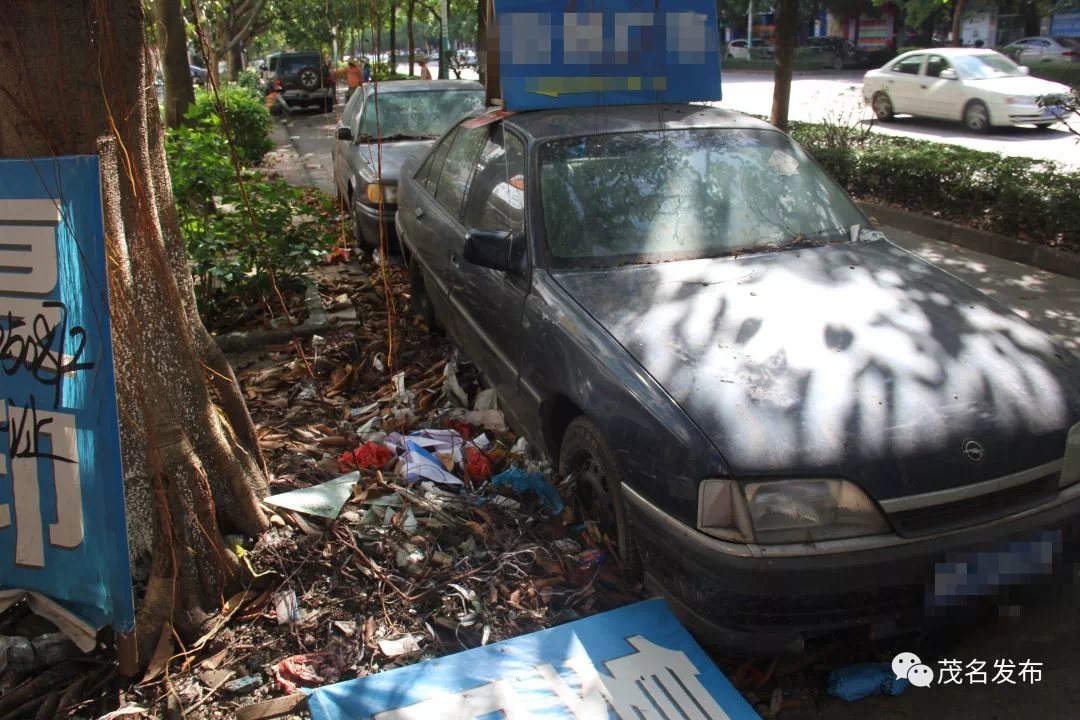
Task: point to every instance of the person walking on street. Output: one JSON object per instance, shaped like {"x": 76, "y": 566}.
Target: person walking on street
{"x": 367, "y": 70}
{"x": 353, "y": 78}
{"x": 425, "y": 74}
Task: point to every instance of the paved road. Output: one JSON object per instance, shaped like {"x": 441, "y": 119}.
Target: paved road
{"x": 837, "y": 97}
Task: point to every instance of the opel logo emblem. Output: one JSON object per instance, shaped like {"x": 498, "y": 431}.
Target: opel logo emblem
{"x": 973, "y": 451}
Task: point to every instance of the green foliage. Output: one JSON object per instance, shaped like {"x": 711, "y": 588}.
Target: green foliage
{"x": 248, "y": 118}
{"x": 231, "y": 251}
{"x": 1010, "y": 195}
{"x": 250, "y": 81}
{"x": 1067, "y": 73}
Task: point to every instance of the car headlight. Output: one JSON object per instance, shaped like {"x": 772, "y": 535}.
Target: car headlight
{"x": 385, "y": 193}
{"x": 1070, "y": 470}
{"x": 1019, "y": 100}
{"x": 788, "y": 511}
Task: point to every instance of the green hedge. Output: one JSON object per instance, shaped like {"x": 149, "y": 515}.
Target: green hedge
{"x": 249, "y": 121}
{"x": 1067, "y": 73}
{"x": 1010, "y": 195}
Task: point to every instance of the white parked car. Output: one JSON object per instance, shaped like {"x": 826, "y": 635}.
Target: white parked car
{"x": 981, "y": 88}
{"x": 737, "y": 49}
{"x": 1045, "y": 49}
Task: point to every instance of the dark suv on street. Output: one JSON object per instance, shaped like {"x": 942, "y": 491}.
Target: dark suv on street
{"x": 302, "y": 78}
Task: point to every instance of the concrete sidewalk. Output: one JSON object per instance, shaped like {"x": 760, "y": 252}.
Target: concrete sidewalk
{"x": 1049, "y": 302}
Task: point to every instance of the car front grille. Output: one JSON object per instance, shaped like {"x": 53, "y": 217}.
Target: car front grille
{"x": 972, "y": 511}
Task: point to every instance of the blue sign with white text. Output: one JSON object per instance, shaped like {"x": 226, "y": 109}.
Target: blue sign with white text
{"x": 1066, "y": 24}
{"x": 634, "y": 662}
{"x": 62, "y": 526}
{"x": 606, "y": 53}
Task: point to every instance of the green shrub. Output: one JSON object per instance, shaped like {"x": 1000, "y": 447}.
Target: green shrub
{"x": 250, "y": 80}
{"x": 231, "y": 256}
{"x": 1010, "y": 195}
{"x": 248, "y": 118}
{"x": 1067, "y": 73}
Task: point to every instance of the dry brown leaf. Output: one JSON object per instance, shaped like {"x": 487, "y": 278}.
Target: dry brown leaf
{"x": 369, "y": 629}
{"x": 162, "y": 652}
{"x": 337, "y": 441}
{"x": 215, "y": 660}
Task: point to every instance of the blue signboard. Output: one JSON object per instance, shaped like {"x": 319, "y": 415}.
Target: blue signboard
{"x": 62, "y": 527}
{"x": 1066, "y": 24}
{"x": 634, "y": 662}
{"x": 606, "y": 53}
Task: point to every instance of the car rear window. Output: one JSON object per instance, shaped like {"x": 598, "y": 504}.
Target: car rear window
{"x": 294, "y": 63}
{"x": 1069, "y": 42}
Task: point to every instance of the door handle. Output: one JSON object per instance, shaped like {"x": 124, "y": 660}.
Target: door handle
{"x": 419, "y": 213}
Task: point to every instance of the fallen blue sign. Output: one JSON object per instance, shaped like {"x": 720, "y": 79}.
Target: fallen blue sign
{"x": 634, "y": 662}
{"x": 63, "y": 538}
{"x": 622, "y": 54}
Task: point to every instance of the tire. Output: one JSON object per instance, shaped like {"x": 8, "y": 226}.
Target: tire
{"x": 308, "y": 78}
{"x": 600, "y": 488}
{"x": 838, "y": 63}
{"x": 360, "y": 236}
{"x": 977, "y": 117}
{"x": 883, "y": 107}
{"x": 420, "y": 301}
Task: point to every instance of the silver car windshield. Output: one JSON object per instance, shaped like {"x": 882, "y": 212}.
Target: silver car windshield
{"x": 985, "y": 67}
{"x": 683, "y": 194}
{"x": 423, "y": 114}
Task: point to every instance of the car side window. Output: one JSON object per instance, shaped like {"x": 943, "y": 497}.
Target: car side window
{"x": 909, "y": 66}
{"x": 497, "y": 194}
{"x": 935, "y": 65}
{"x": 428, "y": 175}
{"x": 457, "y": 169}
{"x": 1041, "y": 43}
{"x": 352, "y": 108}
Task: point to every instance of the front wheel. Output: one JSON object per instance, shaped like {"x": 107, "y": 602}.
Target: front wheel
{"x": 977, "y": 117}
{"x": 420, "y": 300}
{"x": 883, "y": 107}
{"x": 599, "y": 488}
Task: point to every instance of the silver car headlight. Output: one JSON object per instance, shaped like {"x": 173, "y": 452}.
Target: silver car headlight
{"x": 787, "y": 511}
{"x": 1070, "y": 470}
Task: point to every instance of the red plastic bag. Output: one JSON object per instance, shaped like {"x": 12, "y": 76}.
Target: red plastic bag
{"x": 464, "y": 430}
{"x": 369, "y": 455}
{"x": 477, "y": 466}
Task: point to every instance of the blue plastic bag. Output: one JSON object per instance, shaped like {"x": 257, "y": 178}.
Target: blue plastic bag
{"x": 521, "y": 481}
{"x": 861, "y": 680}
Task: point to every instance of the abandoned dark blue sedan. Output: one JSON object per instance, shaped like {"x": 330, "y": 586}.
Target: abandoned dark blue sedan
{"x": 790, "y": 424}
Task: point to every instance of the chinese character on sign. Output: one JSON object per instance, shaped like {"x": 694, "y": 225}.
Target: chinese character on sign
{"x": 63, "y": 535}
{"x": 1031, "y": 672}
{"x": 976, "y": 674}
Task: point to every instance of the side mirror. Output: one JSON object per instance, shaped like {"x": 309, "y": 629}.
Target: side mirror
{"x": 948, "y": 74}
{"x": 1024, "y": 69}
{"x": 496, "y": 250}
{"x": 344, "y": 133}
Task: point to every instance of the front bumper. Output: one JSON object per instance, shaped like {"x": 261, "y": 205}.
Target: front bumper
{"x": 768, "y": 600}
{"x": 1032, "y": 114}
{"x": 369, "y": 220}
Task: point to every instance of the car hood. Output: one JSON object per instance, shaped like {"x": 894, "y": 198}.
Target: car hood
{"x": 1029, "y": 86}
{"x": 394, "y": 155}
{"x": 856, "y": 360}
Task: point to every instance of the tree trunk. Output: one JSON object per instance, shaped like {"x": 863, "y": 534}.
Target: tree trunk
{"x": 236, "y": 62}
{"x": 1030, "y": 12}
{"x": 957, "y": 23}
{"x": 172, "y": 54}
{"x": 481, "y": 43}
{"x": 393, "y": 37}
{"x": 410, "y": 12}
{"x": 192, "y": 466}
{"x": 786, "y": 20}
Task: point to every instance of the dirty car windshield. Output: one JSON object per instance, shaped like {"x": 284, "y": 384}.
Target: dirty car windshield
{"x": 419, "y": 114}
{"x": 985, "y": 67}
{"x": 656, "y": 196}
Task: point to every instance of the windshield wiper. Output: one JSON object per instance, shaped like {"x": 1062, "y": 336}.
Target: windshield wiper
{"x": 407, "y": 136}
